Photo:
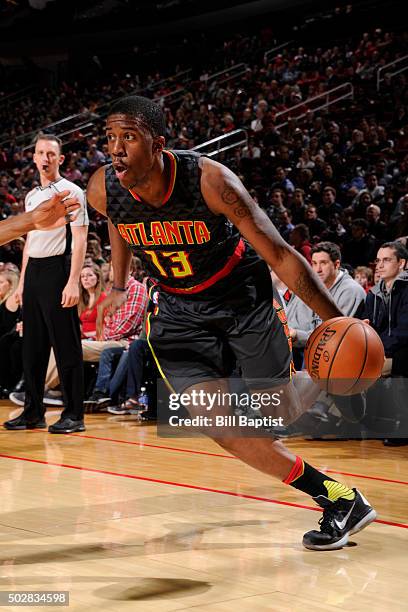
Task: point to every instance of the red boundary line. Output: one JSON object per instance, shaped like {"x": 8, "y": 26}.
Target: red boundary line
{"x": 184, "y": 485}
{"x": 196, "y": 452}
{"x": 141, "y": 444}
{"x": 403, "y": 482}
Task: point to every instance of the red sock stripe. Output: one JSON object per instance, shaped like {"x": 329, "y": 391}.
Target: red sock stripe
{"x": 296, "y": 471}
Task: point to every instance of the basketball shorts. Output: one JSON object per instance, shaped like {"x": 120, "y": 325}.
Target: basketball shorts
{"x": 196, "y": 340}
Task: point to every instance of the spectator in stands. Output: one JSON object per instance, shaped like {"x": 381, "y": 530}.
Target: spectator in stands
{"x": 346, "y": 292}
{"x": 361, "y": 248}
{"x": 329, "y": 205}
{"x": 251, "y": 151}
{"x": 386, "y": 306}
{"x": 94, "y": 250}
{"x": 285, "y": 225}
{"x": 381, "y": 172}
{"x": 117, "y": 338}
{"x": 360, "y": 203}
{"x": 10, "y": 342}
{"x": 400, "y": 211}
{"x": 298, "y": 206}
{"x": 95, "y": 157}
{"x": 135, "y": 362}
{"x": 364, "y": 276}
{"x": 357, "y": 151}
{"x": 72, "y": 172}
{"x": 277, "y": 204}
{"x": 256, "y": 124}
{"x": 376, "y": 227}
{"x": 335, "y": 230}
{"x": 400, "y": 176}
{"x": 282, "y": 181}
{"x": 91, "y": 294}
{"x": 314, "y": 223}
{"x": 305, "y": 161}
{"x": 299, "y": 239}
{"x": 228, "y": 121}
{"x": 375, "y": 190}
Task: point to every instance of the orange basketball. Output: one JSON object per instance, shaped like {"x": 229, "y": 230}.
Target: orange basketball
{"x": 344, "y": 356}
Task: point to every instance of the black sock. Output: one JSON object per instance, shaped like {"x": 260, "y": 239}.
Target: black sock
{"x": 306, "y": 478}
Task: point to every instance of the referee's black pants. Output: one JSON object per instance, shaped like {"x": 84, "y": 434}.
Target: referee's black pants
{"x": 46, "y": 323}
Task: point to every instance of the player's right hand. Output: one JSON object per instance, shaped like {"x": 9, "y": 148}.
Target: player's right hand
{"x": 109, "y": 306}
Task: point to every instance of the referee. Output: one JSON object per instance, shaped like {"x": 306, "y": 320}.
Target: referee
{"x": 49, "y": 293}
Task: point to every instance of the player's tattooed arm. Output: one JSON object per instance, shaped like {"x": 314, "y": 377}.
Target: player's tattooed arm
{"x": 304, "y": 287}
{"x": 235, "y": 202}
{"x": 225, "y": 194}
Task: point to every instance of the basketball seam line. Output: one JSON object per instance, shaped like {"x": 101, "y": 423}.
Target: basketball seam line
{"x": 365, "y": 358}
{"x": 334, "y": 356}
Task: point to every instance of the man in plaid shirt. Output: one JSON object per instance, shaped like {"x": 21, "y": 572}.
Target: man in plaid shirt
{"x": 126, "y": 323}
{"x": 118, "y": 331}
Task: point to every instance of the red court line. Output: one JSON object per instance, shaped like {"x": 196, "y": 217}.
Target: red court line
{"x": 403, "y": 482}
{"x": 182, "y": 484}
{"x": 195, "y": 452}
{"x": 142, "y": 444}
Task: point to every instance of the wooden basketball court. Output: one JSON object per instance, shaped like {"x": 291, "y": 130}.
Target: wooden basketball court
{"x": 125, "y": 520}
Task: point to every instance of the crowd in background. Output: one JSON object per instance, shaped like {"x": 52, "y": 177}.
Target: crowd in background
{"x": 341, "y": 173}
{"x": 338, "y": 175}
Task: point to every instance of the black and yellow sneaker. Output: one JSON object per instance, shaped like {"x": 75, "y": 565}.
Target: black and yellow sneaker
{"x": 340, "y": 519}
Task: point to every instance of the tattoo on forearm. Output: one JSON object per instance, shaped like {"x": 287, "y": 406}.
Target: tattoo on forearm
{"x": 229, "y": 196}
{"x": 305, "y": 288}
{"x": 242, "y": 211}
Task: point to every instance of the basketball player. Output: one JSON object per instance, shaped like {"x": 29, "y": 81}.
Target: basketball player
{"x": 50, "y": 214}
{"x": 182, "y": 213}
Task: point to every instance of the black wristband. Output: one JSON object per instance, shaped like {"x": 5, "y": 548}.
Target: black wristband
{"x": 118, "y": 289}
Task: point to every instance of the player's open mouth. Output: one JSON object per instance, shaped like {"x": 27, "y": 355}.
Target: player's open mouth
{"x": 120, "y": 170}
{"x": 45, "y": 167}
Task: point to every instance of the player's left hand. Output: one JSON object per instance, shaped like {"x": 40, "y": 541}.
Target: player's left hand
{"x": 70, "y": 294}
{"x": 55, "y": 212}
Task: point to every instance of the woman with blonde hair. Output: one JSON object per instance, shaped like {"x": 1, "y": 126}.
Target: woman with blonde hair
{"x": 91, "y": 294}
{"x": 10, "y": 341}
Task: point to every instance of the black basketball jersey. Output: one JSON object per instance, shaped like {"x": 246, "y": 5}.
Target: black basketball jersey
{"x": 183, "y": 245}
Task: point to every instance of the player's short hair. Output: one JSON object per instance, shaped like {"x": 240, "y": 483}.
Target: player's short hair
{"x": 145, "y": 110}
{"x": 332, "y": 249}
{"x": 50, "y": 137}
{"x": 400, "y": 251}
